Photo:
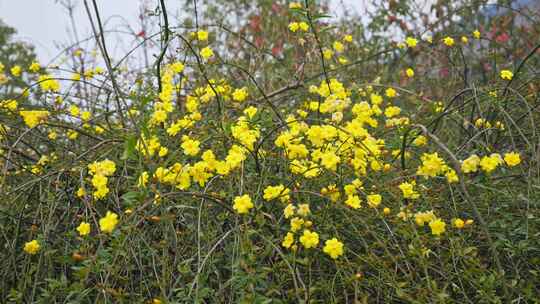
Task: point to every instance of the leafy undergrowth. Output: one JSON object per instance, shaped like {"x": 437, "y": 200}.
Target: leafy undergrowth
{"x": 292, "y": 159}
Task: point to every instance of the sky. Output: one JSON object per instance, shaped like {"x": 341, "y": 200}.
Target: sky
{"x": 46, "y": 25}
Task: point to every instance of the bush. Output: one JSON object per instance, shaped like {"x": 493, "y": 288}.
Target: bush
{"x": 281, "y": 156}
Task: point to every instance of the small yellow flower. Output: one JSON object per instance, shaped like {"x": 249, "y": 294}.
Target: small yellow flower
{"x": 242, "y": 204}
{"x": 303, "y": 26}
{"x": 80, "y": 192}
{"x": 459, "y": 223}
{"x": 34, "y": 118}
{"x": 84, "y": 229}
{"x": 464, "y": 39}
{"x": 240, "y": 94}
{"x": 410, "y": 72}
{"x": 295, "y": 5}
{"x": 333, "y": 248}
{"x": 288, "y": 241}
{"x": 206, "y": 52}
{"x": 294, "y": 26}
{"x": 437, "y": 227}
{"x": 512, "y": 159}
{"x": 507, "y": 74}
{"x": 374, "y": 200}
{"x": 411, "y": 42}
{"x": 34, "y": 67}
{"x": 338, "y": 46}
{"x": 32, "y": 247}
{"x": 309, "y": 239}
{"x": 390, "y": 93}
{"x": 109, "y": 222}
{"x": 449, "y": 41}
{"x": 202, "y": 35}
{"x": 16, "y": 71}
{"x": 476, "y": 34}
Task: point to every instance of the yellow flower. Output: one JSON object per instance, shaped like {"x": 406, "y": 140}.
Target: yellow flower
{"x": 374, "y": 200}
{"x": 288, "y": 240}
{"x": 348, "y": 38}
{"x": 386, "y": 211}
{"x": 408, "y": 190}
{"x": 250, "y": 112}
{"x": 83, "y": 229}
{"x": 464, "y": 39}
{"x": 240, "y": 94}
{"x": 309, "y": 239}
{"x": 296, "y": 224}
{"x": 272, "y": 192}
{"x": 424, "y": 217}
{"x": 142, "y": 180}
{"x": 333, "y": 248}
{"x": 202, "y": 36}
{"x": 206, "y": 52}
{"x": 190, "y": 146}
{"x": 109, "y": 222}
{"x": 303, "y": 26}
{"x": 390, "y": 92}
{"x": 85, "y": 116}
{"x": 289, "y": 211}
{"x": 16, "y": 71}
{"x": 437, "y": 227}
{"x": 338, "y": 46}
{"x": 507, "y": 74}
{"x": 353, "y": 201}
{"x": 34, "y": 118}
{"x": 9, "y": 104}
{"x": 34, "y": 67}
{"x": 330, "y": 160}
{"x": 81, "y": 192}
{"x": 459, "y": 223}
{"x": 392, "y": 111}
{"x": 476, "y": 34}
{"x": 411, "y": 42}
{"x": 105, "y": 167}
{"x": 470, "y": 164}
{"x": 410, "y": 72}
{"x": 294, "y": 26}
{"x": 449, "y": 41}
{"x": 74, "y": 110}
{"x": 419, "y": 141}
{"x": 451, "y": 176}
{"x": 512, "y": 159}
{"x": 432, "y": 165}
{"x": 327, "y": 54}
{"x": 242, "y": 204}
{"x": 490, "y": 163}
{"x": 303, "y": 210}
{"x": 48, "y": 84}
{"x": 32, "y": 247}
{"x": 295, "y": 5}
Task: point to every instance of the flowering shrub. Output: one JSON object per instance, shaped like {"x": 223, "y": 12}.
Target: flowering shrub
{"x": 286, "y": 161}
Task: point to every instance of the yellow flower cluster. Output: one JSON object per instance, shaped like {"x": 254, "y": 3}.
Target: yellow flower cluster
{"x": 49, "y": 84}
{"x": 100, "y": 172}
{"x": 33, "y": 118}
{"x": 279, "y": 191}
{"x": 489, "y": 163}
{"x": 32, "y": 247}
{"x": 433, "y": 165}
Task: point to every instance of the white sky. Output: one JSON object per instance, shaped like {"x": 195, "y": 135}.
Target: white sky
{"x": 45, "y": 23}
